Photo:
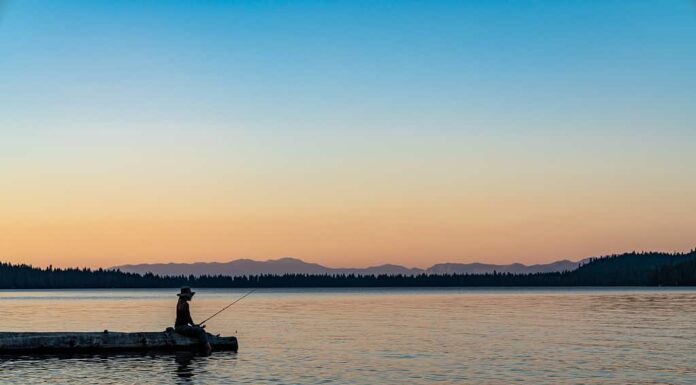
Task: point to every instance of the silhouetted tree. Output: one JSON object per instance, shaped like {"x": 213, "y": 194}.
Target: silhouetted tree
{"x": 629, "y": 269}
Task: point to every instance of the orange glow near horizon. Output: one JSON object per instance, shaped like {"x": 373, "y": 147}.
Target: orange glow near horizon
{"x": 339, "y": 217}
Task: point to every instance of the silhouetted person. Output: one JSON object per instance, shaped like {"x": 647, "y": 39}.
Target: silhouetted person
{"x": 184, "y": 325}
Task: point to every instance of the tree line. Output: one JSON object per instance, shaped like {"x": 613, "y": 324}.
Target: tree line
{"x": 628, "y": 269}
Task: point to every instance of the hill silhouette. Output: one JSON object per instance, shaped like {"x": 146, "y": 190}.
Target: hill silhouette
{"x": 297, "y": 266}
{"x": 628, "y": 269}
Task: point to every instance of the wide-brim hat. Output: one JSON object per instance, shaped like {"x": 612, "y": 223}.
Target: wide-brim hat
{"x": 186, "y": 292}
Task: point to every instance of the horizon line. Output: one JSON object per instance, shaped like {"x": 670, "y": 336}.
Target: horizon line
{"x": 354, "y": 267}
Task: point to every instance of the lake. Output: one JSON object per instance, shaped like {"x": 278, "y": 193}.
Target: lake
{"x": 375, "y": 336}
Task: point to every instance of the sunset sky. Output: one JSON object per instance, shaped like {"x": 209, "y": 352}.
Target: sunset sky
{"x": 348, "y": 133}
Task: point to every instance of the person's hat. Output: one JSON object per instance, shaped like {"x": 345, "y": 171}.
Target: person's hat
{"x": 186, "y": 292}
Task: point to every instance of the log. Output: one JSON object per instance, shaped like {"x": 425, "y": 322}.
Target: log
{"x": 106, "y": 341}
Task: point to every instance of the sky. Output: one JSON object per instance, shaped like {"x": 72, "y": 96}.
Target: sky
{"x": 348, "y": 133}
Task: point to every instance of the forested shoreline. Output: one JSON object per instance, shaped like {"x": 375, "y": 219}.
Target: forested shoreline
{"x": 629, "y": 269}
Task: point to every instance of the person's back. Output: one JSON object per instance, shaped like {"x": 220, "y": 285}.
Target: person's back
{"x": 183, "y": 314}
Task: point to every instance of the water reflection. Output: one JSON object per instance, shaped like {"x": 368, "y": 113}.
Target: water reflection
{"x": 184, "y": 371}
{"x": 137, "y": 367}
{"x": 551, "y": 337}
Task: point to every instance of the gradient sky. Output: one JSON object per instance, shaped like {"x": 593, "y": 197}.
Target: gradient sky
{"x": 348, "y": 133}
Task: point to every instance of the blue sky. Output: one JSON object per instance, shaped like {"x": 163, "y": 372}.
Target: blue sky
{"x": 294, "y": 65}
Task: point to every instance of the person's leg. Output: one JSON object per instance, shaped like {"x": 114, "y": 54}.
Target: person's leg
{"x": 186, "y": 330}
{"x": 203, "y": 336}
{"x": 194, "y": 331}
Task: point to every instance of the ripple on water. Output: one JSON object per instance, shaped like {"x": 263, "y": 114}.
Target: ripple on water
{"x": 375, "y": 336}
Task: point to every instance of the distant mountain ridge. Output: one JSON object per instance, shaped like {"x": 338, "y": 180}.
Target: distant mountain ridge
{"x": 297, "y": 266}
{"x": 515, "y": 268}
{"x": 652, "y": 268}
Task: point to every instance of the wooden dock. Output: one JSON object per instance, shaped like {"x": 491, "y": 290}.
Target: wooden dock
{"x": 106, "y": 341}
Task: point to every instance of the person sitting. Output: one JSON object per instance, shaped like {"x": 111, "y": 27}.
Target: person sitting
{"x": 184, "y": 325}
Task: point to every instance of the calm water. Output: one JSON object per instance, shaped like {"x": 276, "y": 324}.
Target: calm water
{"x": 375, "y": 336}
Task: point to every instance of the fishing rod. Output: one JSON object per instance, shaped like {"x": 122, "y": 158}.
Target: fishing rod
{"x": 225, "y": 308}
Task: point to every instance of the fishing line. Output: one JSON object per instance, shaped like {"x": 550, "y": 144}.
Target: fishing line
{"x": 225, "y": 308}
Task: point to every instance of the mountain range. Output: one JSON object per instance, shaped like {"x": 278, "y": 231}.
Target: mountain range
{"x": 297, "y": 266}
{"x": 627, "y": 269}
